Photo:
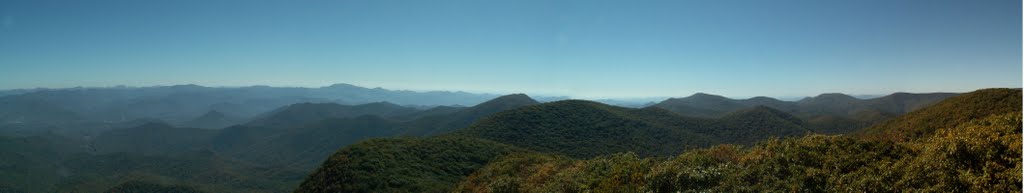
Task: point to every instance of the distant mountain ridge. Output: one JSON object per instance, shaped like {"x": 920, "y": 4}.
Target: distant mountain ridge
{"x": 183, "y": 104}
{"x": 584, "y": 128}
{"x": 304, "y": 134}
{"x": 832, "y": 113}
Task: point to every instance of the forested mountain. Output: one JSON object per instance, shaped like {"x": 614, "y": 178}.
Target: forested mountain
{"x": 978, "y": 152}
{"x": 440, "y": 124}
{"x": 574, "y": 140}
{"x": 831, "y": 113}
{"x": 585, "y": 129}
{"x": 572, "y": 127}
{"x": 557, "y": 135}
{"x": 403, "y": 165}
{"x": 947, "y": 114}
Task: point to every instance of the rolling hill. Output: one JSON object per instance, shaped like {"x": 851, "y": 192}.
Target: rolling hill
{"x": 585, "y": 129}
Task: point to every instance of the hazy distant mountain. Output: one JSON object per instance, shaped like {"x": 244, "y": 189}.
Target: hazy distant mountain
{"x": 832, "y": 113}
{"x": 304, "y": 134}
{"x": 182, "y": 103}
{"x": 303, "y": 113}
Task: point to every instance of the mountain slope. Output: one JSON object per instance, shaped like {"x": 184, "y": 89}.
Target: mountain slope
{"x": 440, "y": 124}
{"x": 701, "y": 105}
{"x": 946, "y": 114}
{"x": 585, "y": 129}
{"x": 305, "y": 147}
{"x": 212, "y": 120}
{"x": 749, "y": 126}
{"x": 402, "y": 165}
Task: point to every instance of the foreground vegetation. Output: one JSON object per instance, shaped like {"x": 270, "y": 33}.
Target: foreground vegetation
{"x": 979, "y": 156}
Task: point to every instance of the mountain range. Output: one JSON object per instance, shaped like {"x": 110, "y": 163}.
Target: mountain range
{"x": 600, "y": 148}
{"x": 322, "y": 145}
{"x": 831, "y": 113}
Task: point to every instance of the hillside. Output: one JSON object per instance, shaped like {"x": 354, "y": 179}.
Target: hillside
{"x": 585, "y": 129}
{"x": 403, "y": 165}
{"x": 305, "y": 147}
{"x": 946, "y": 114}
{"x": 582, "y": 129}
{"x": 982, "y": 155}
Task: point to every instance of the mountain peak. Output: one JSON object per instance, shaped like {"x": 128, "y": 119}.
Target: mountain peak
{"x": 705, "y": 96}
{"x": 518, "y": 98}
{"x": 835, "y": 96}
{"x": 829, "y": 97}
{"x": 341, "y": 86}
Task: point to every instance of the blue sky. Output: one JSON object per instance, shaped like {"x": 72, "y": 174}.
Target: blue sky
{"x": 597, "y": 49}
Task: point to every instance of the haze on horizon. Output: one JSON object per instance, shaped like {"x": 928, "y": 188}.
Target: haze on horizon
{"x": 590, "y": 49}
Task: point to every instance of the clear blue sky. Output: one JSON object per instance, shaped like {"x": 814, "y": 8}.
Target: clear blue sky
{"x": 573, "y": 48}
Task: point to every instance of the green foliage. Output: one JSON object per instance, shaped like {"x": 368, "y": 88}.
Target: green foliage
{"x": 977, "y": 156}
{"x": 402, "y": 165}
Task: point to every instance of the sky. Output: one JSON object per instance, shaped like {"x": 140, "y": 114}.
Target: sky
{"x": 596, "y": 49}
